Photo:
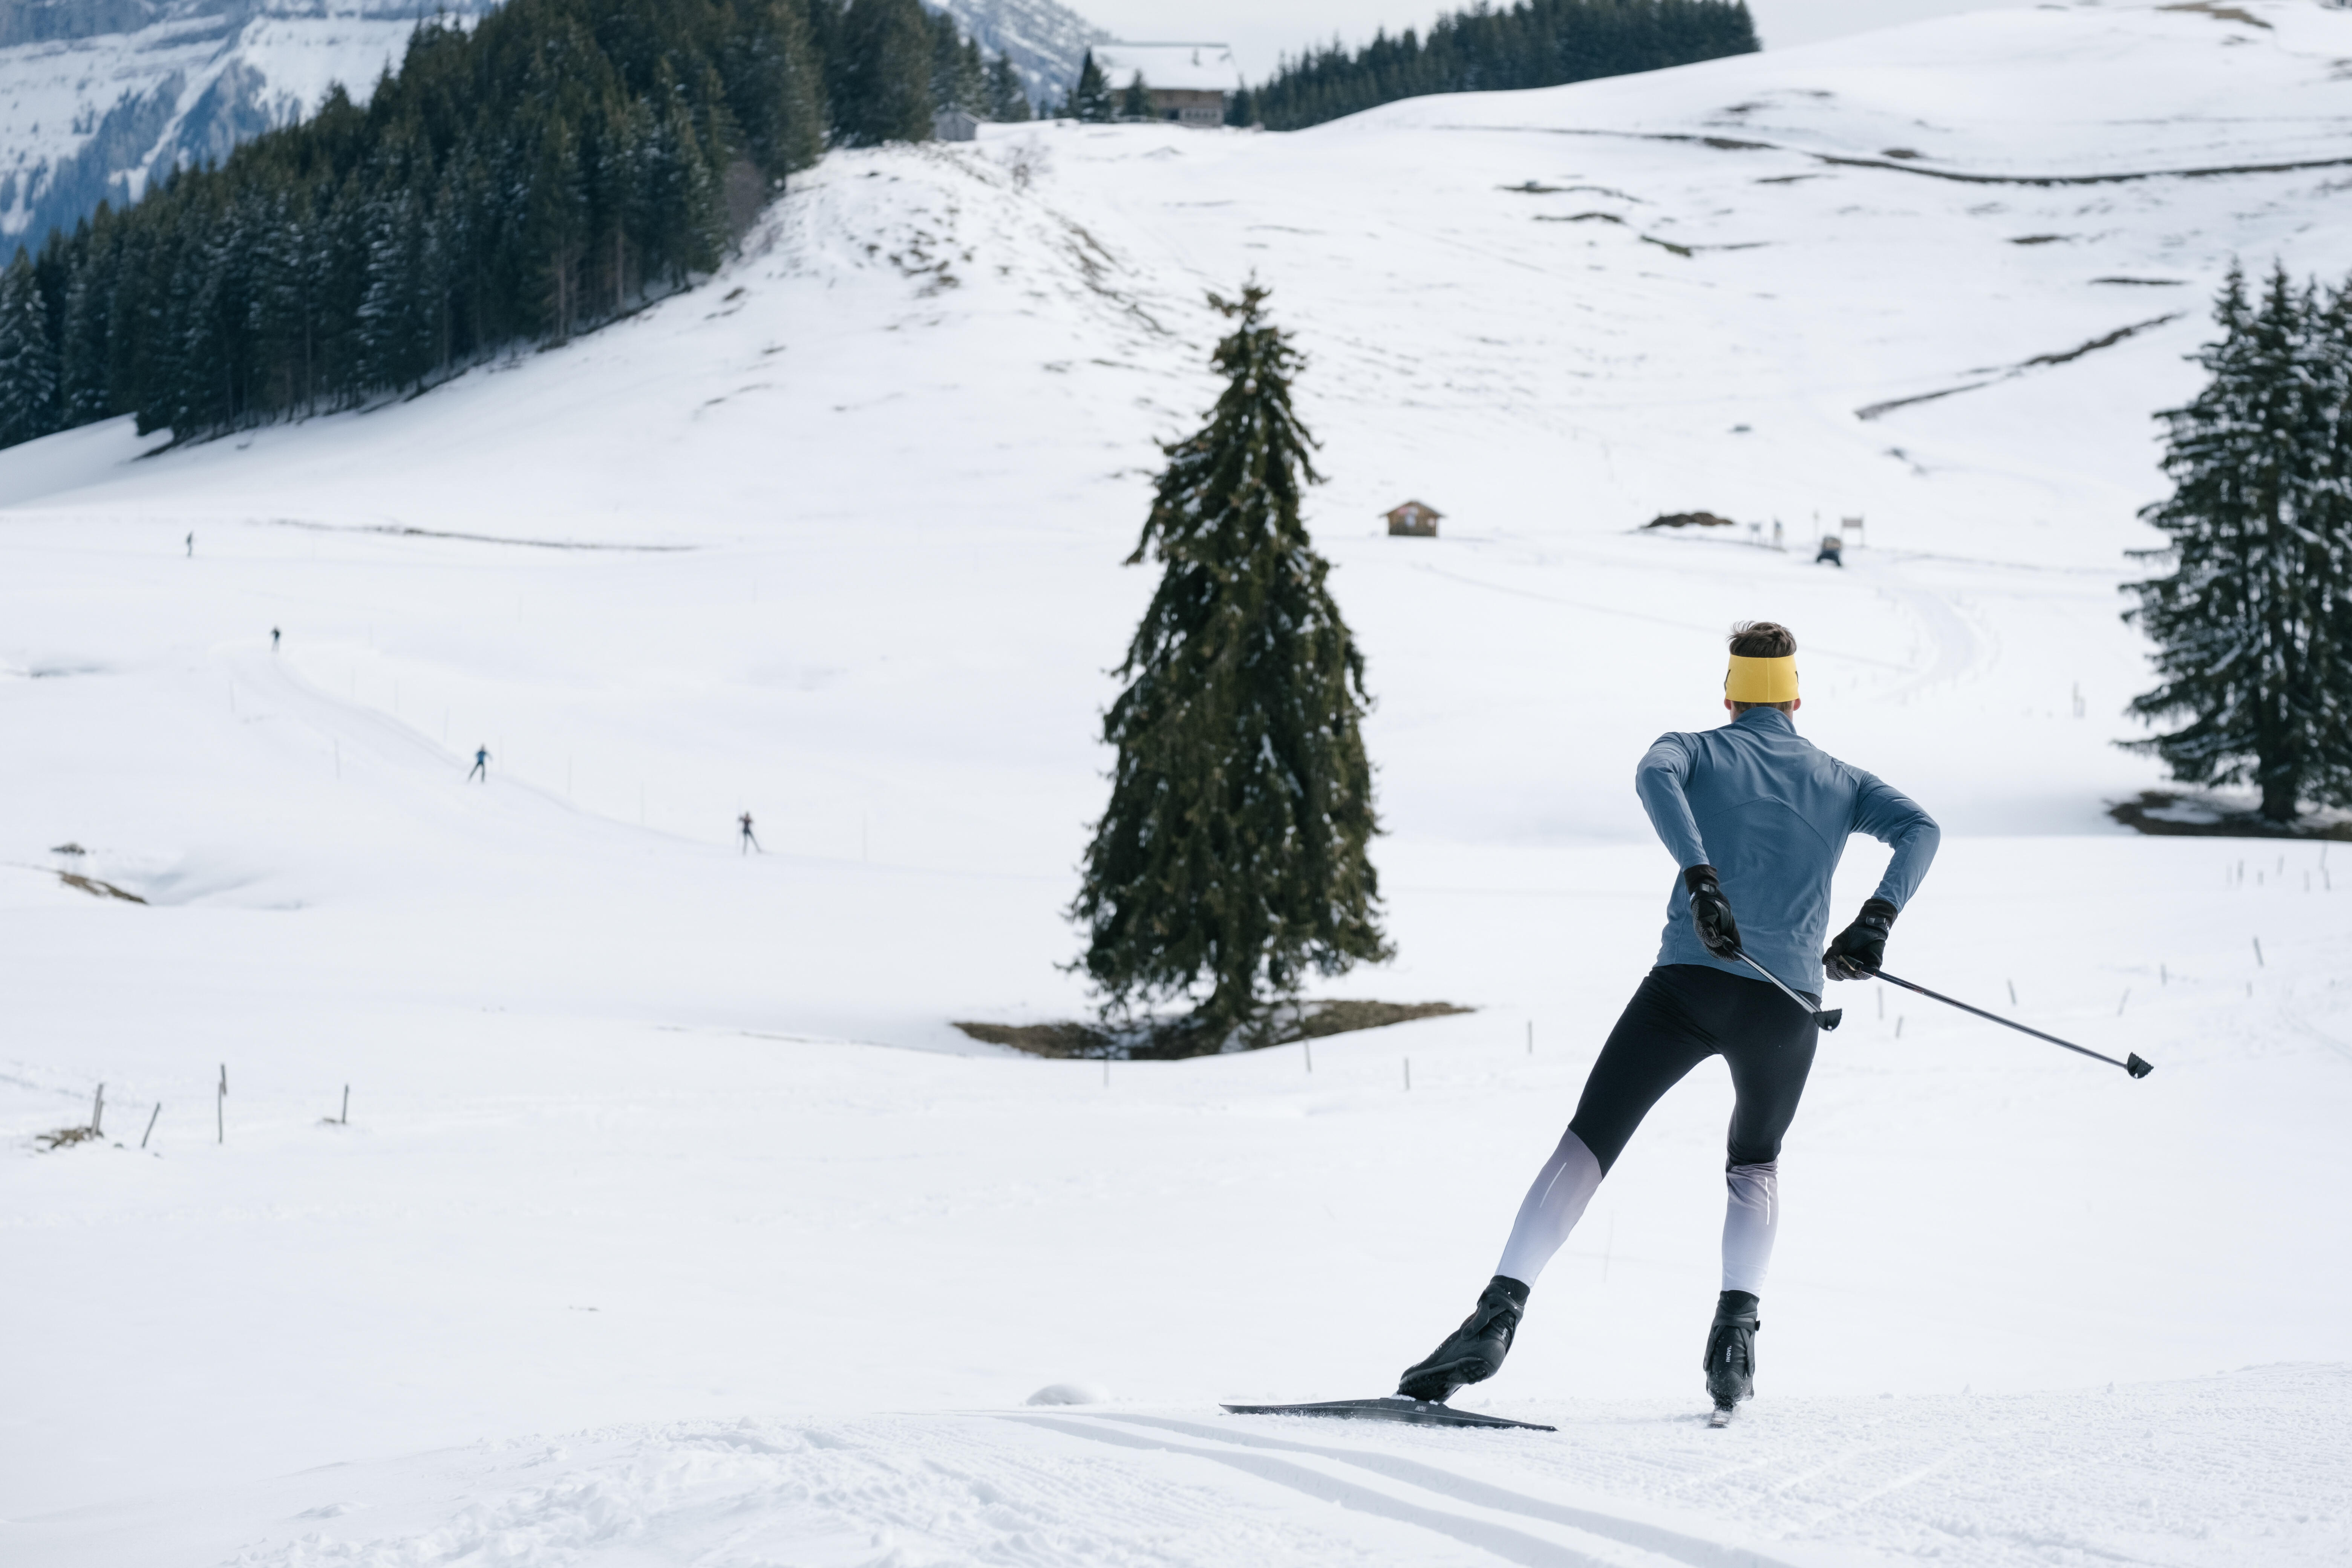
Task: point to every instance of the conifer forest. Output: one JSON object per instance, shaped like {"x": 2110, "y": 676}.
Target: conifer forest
{"x": 1535, "y": 43}
{"x": 549, "y": 170}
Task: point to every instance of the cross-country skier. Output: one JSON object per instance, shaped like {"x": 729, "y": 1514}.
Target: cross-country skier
{"x": 1833, "y": 551}
{"x": 481, "y": 766}
{"x": 1757, "y": 818}
{"x": 273, "y": 639}
{"x": 749, "y": 843}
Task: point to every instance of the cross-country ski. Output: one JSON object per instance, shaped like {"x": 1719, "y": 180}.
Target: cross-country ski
{"x": 1394, "y": 1407}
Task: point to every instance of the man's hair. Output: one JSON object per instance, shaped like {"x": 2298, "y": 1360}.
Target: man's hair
{"x": 1762, "y": 639}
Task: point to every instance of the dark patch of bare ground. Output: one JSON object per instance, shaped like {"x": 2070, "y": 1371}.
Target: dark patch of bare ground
{"x": 64, "y": 1136}
{"x": 1169, "y": 1039}
{"x": 96, "y": 888}
{"x": 2168, "y": 815}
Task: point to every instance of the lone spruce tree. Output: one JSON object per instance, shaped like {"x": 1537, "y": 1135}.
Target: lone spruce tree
{"x": 1089, "y": 97}
{"x": 2253, "y": 627}
{"x": 1233, "y": 854}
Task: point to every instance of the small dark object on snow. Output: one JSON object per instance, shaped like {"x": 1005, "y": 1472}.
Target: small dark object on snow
{"x": 1688, "y": 520}
{"x": 1472, "y": 1353}
{"x": 1418, "y": 1411}
{"x": 68, "y": 847}
{"x": 1730, "y": 1360}
{"x": 1833, "y": 551}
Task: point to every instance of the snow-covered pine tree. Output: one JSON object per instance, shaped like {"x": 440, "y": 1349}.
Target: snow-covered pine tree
{"x": 1233, "y": 848}
{"x": 2330, "y": 514}
{"x": 879, "y": 74}
{"x": 28, "y": 359}
{"x": 1008, "y": 100}
{"x": 1089, "y": 95}
{"x": 959, "y": 76}
{"x": 2253, "y": 627}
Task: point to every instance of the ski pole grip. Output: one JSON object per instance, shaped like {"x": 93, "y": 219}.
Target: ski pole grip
{"x": 2138, "y": 1068}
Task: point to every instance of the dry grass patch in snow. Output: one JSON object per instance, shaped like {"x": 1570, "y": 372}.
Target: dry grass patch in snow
{"x": 1163, "y": 1039}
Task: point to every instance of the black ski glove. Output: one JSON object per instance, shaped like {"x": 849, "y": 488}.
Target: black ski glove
{"x": 1856, "y": 952}
{"x": 1711, "y": 912}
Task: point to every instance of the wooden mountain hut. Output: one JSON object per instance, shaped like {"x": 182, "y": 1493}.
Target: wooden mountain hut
{"x": 1414, "y": 519}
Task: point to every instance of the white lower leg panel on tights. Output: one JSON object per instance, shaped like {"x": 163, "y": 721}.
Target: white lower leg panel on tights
{"x": 1750, "y": 1220}
{"x": 1550, "y": 1210}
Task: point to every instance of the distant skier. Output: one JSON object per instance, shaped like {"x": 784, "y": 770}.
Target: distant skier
{"x": 1833, "y": 551}
{"x": 192, "y": 545}
{"x": 273, "y": 639}
{"x": 1752, "y": 813}
{"x": 749, "y": 843}
{"x": 481, "y": 766}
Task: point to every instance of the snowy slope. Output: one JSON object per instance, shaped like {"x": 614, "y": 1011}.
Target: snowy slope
{"x": 97, "y": 98}
{"x": 674, "y": 1222}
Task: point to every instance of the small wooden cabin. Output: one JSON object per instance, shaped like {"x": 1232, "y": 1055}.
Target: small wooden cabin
{"x": 955, "y": 125}
{"x": 1414, "y": 520}
{"x": 1187, "y": 84}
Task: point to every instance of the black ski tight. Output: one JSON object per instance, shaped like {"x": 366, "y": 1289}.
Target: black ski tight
{"x": 1681, "y": 1015}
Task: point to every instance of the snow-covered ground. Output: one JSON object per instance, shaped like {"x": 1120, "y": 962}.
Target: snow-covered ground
{"x": 674, "y": 1222}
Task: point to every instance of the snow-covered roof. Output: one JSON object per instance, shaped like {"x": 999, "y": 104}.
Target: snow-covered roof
{"x": 1204, "y": 67}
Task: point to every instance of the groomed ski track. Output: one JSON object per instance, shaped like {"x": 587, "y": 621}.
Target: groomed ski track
{"x": 2014, "y": 1480}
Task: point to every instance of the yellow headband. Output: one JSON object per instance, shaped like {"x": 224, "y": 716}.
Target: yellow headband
{"x": 1761, "y": 680}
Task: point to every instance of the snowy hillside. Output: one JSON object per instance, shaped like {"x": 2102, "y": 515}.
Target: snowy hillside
{"x": 674, "y": 1222}
{"x": 97, "y": 99}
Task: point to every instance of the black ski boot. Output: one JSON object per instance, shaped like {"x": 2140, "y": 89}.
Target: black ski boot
{"x": 1472, "y": 1353}
{"x": 1730, "y": 1361}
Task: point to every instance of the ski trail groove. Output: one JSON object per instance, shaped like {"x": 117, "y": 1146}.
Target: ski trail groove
{"x": 1690, "y": 1549}
{"x": 1957, "y": 648}
{"x": 1499, "y": 1541}
{"x": 1846, "y": 161}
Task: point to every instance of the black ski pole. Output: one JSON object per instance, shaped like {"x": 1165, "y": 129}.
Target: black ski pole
{"x": 2135, "y": 1066}
{"x": 1823, "y": 1020}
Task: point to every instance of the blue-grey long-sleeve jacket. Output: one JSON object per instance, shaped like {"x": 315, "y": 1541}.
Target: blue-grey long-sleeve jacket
{"x": 1771, "y": 813}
